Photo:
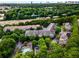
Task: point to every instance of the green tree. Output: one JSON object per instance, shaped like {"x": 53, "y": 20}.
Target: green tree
{"x": 1, "y": 33}
{"x": 34, "y": 43}
{"x": 15, "y": 37}
{"x": 72, "y": 53}
{"x": 56, "y": 50}
{"x": 73, "y": 41}
{"x": 26, "y": 55}
{"x": 42, "y": 49}
{"x": 58, "y": 29}
{"x": 48, "y": 41}
{"x": 7, "y": 47}
{"x": 22, "y": 38}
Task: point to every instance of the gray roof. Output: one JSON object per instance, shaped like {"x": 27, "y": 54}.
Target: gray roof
{"x": 49, "y": 31}
{"x": 39, "y": 33}
{"x": 63, "y": 38}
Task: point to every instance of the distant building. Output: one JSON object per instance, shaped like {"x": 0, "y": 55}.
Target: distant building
{"x": 2, "y": 16}
{"x": 4, "y": 7}
{"x": 34, "y": 15}
{"x": 67, "y": 26}
{"x": 64, "y": 14}
{"x": 55, "y": 17}
{"x": 72, "y": 2}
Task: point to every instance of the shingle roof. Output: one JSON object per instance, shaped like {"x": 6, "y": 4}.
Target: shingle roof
{"x": 45, "y": 32}
{"x": 39, "y": 33}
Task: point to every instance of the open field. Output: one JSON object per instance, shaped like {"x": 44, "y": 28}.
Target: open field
{"x": 18, "y": 21}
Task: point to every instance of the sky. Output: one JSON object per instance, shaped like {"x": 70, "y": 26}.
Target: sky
{"x": 34, "y": 1}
